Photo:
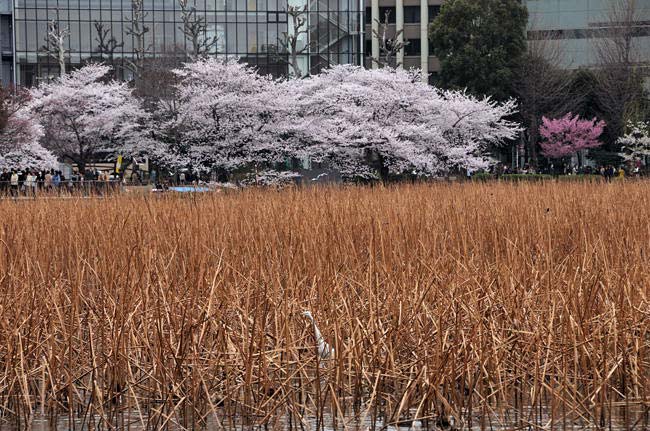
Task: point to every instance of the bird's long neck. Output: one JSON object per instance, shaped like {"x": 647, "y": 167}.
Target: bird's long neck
{"x": 317, "y": 334}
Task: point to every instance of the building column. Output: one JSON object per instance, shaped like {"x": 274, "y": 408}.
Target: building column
{"x": 424, "y": 40}
{"x": 374, "y": 33}
{"x": 399, "y": 30}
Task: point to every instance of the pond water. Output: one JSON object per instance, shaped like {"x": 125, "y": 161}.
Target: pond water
{"x": 637, "y": 419}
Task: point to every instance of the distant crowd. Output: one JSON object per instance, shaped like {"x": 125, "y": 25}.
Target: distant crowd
{"x": 29, "y": 182}
{"x": 608, "y": 172}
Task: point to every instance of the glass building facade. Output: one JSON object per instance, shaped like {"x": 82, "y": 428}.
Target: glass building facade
{"x": 577, "y": 24}
{"x": 253, "y": 30}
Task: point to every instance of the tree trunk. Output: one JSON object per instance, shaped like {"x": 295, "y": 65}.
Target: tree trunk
{"x": 533, "y": 138}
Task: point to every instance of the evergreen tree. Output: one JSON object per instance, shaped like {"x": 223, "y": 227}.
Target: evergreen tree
{"x": 480, "y": 44}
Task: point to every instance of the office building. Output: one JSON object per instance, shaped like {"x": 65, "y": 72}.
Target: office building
{"x": 575, "y": 25}
{"x": 253, "y": 30}
{"x": 579, "y": 25}
{"x": 339, "y": 31}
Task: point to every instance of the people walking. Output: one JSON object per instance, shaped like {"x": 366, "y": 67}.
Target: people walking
{"x": 30, "y": 184}
{"x": 608, "y": 173}
{"x": 13, "y": 182}
{"x": 56, "y": 180}
{"x": 48, "y": 180}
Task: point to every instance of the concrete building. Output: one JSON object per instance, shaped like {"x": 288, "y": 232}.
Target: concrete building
{"x": 578, "y": 25}
{"x": 414, "y": 17}
{"x": 575, "y": 24}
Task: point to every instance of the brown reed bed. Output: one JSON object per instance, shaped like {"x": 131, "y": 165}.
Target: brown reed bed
{"x": 489, "y": 306}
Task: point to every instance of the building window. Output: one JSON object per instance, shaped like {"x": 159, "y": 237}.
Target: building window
{"x": 412, "y": 48}
{"x": 382, "y": 15}
{"x": 434, "y": 11}
{"x": 411, "y": 14}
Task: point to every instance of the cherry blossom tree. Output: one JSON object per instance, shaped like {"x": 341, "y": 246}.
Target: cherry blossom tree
{"x": 635, "y": 144}
{"x": 227, "y": 116}
{"x": 271, "y": 177}
{"x": 85, "y": 116}
{"x": 348, "y": 115}
{"x": 20, "y": 134}
{"x": 566, "y": 136}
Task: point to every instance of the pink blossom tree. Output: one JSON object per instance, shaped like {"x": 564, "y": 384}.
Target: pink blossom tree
{"x": 20, "y": 133}
{"x": 347, "y": 114}
{"x": 566, "y": 136}
{"x": 227, "y": 115}
{"x": 85, "y": 116}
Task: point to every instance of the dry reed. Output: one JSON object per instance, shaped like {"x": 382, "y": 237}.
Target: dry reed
{"x": 485, "y": 305}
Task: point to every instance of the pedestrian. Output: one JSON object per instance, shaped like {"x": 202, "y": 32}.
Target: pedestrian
{"x": 4, "y": 181}
{"x": 40, "y": 179}
{"x": 48, "y": 179}
{"x": 56, "y": 180}
{"x": 13, "y": 182}
{"x": 22, "y": 177}
{"x": 30, "y": 184}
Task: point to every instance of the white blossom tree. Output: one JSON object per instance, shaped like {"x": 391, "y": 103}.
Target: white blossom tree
{"x": 85, "y": 116}
{"x": 635, "y": 144}
{"x": 347, "y": 114}
{"x": 20, "y": 134}
{"x": 227, "y": 115}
